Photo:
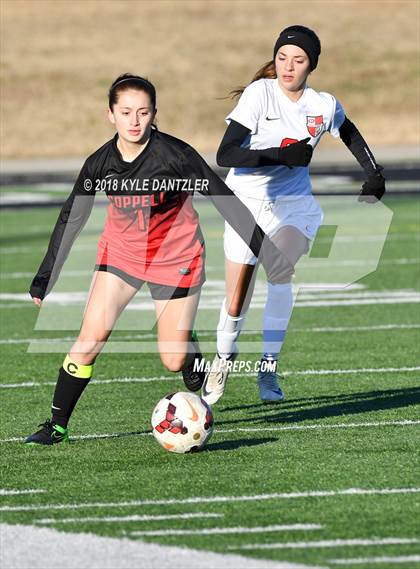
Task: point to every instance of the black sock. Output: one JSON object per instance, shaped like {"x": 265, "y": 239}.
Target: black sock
{"x": 67, "y": 393}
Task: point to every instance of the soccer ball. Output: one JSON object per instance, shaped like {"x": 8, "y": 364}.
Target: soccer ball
{"x": 182, "y": 422}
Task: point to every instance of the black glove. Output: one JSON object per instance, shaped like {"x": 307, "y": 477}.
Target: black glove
{"x": 296, "y": 154}
{"x": 38, "y": 287}
{"x": 374, "y": 187}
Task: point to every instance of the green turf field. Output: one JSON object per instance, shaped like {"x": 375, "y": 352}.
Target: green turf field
{"x": 351, "y": 419}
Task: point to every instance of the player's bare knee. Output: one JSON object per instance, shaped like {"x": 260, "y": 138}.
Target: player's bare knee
{"x": 173, "y": 362}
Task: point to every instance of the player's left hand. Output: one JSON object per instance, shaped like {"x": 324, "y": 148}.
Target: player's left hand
{"x": 373, "y": 189}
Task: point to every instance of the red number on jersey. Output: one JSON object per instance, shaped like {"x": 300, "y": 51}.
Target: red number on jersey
{"x": 286, "y": 141}
{"x": 141, "y": 220}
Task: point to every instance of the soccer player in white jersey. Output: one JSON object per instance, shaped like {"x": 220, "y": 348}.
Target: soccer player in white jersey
{"x": 268, "y": 145}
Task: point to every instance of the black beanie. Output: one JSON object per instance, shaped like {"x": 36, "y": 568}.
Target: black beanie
{"x": 302, "y": 37}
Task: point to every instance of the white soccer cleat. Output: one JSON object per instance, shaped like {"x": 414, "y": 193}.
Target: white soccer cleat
{"x": 270, "y": 390}
{"x": 215, "y": 381}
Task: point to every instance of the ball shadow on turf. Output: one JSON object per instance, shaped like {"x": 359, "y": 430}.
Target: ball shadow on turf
{"x": 238, "y": 443}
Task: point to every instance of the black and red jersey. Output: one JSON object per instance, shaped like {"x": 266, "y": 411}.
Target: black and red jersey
{"x": 152, "y": 230}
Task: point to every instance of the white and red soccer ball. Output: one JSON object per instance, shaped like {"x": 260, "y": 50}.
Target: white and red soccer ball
{"x": 182, "y": 422}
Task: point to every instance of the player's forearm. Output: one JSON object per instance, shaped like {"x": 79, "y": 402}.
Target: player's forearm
{"x": 357, "y": 145}
{"x": 232, "y": 155}
{"x": 73, "y": 216}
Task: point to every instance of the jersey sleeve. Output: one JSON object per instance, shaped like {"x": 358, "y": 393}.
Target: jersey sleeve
{"x": 337, "y": 119}
{"x": 250, "y": 106}
{"x": 231, "y": 153}
{"x": 357, "y": 145}
{"x": 71, "y": 220}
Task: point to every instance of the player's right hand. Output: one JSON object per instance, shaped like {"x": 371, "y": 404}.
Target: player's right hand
{"x": 296, "y": 154}
{"x": 37, "y": 301}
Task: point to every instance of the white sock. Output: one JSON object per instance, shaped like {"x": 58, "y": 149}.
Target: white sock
{"x": 228, "y": 330}
{"x": 277, "y": 312}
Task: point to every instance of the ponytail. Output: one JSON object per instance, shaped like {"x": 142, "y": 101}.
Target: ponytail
{"x": 267, "y": 71}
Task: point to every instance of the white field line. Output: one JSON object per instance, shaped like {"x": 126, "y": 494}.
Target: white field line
{"x": 321, "y": 263}
{"x": 364, "y": 238}
{"x": 328, "y": 543}
{"x": 215, "y": 304}
{"x": 370, "y": 560}
{"x": 4, "y": 492}
{"x": 11, "y": 305}
{"x": 215, "y": 499}
{"x": 352, "y": 371}
{"x": 28, "y": 274}
{"x": 205, "y": 334}
{"x": 339, "y": 239}
{"x": 25, "y": 249}
{"x": 216, "y": 292}
{"x": 211, "y": 298}
{"x": 96, "y": 381}
{"x": 312, "y": 263}
{"x": 227, "y": 530}
{"x": 403, "y": 423}
{"x": 320, "y": 295}
{"x": 356, "y": 328}
{"x": 414, "y": 299}
{"x": 309, "y": 372}
{"x": 135, "y": 518}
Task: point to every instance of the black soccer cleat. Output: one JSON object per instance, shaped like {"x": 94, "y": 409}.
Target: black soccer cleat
{"x": 50, "y": 434}
{"x": 194, "y": 379}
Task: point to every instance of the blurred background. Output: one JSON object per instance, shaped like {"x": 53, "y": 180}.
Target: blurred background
{"x": 58, "y": 58}
{"x": 352, "y": 350}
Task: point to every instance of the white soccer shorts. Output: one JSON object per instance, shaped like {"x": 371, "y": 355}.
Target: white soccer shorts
{"x": 302, "y": 212}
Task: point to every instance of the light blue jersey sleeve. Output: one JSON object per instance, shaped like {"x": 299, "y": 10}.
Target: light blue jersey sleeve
{"x": 337, "y": 119}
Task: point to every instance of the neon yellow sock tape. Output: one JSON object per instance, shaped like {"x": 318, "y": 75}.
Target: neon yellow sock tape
{"x": 77, "y": 370}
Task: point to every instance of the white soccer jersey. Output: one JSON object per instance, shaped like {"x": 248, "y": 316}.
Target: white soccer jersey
{"x": 275, "y": 120}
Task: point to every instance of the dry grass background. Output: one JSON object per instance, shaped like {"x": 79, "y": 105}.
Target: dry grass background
{"x": 58, "y": 58}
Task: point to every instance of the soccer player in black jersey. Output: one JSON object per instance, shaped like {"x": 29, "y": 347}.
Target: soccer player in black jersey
{"x": 151, "y": 235}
